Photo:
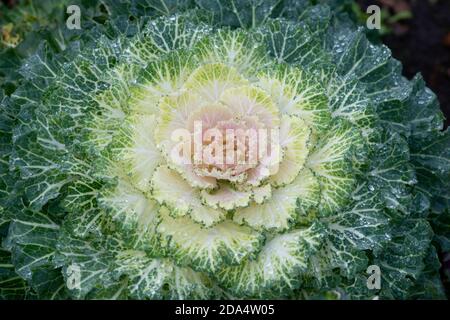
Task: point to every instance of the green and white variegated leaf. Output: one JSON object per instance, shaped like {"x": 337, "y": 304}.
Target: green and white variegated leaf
{"x": 277, "y": 268}
{"x": 170, "y": 189}
{"x": 37, "y": 155}
{"x": 236, "y": 49}
{"x": 299, "y": 43}
{"x": 363, "y": 225}
{"x": 348, "y": 260}
{"x": 332, "y": 161}
{"x": 298, "y": 93}
{"x": 226, "y": 198}
{"x": 163, "y": 35}
{"x": 136, "y": 151}
{"x": 281, "y": 212}
{"x": 160, "y": 78}
{"x": 81, "y": 201}
{"x": 295, "y": 141}
{"x": 276, "y": 215}
{"x": 135, "y": 214}
{"x": 309, "y": 191}
{"x": 349, "y": 101}
{"x": 152, "y": 278}
{"x": 208, "y": 250}
{"x": 7, "y": 176}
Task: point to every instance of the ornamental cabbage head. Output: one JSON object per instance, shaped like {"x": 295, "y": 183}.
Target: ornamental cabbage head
{"x": 197, "y": 150}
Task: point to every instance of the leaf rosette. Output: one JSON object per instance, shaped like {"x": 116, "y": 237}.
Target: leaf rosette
{"x": 105, "y": 182}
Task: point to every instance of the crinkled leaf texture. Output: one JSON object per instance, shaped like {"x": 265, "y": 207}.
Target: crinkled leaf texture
{"x": 92, "y": 207}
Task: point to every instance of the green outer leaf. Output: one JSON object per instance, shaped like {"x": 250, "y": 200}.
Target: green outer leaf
{"x": 117, "y": 290}
{"x": 431, "y": 158}
{"x": 49, "y": 284}
{"x": 402, "y": 260}
{"x": 32, "y": 239}
{"x": 237, "y": 13}
{"x": 363, "y": 225}
{"x": 417, "y": 114}
{"x": 299, "y": 43}
{"x": 429, "y": 285}
{"x": 391, "y": 173}
{"x": 12, "y": 286}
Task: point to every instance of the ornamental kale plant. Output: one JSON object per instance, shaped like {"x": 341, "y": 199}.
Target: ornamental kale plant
{"x": 94, "y": 204}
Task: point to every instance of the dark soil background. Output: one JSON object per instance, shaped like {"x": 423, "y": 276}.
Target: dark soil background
{"x": 422, "y": 42}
